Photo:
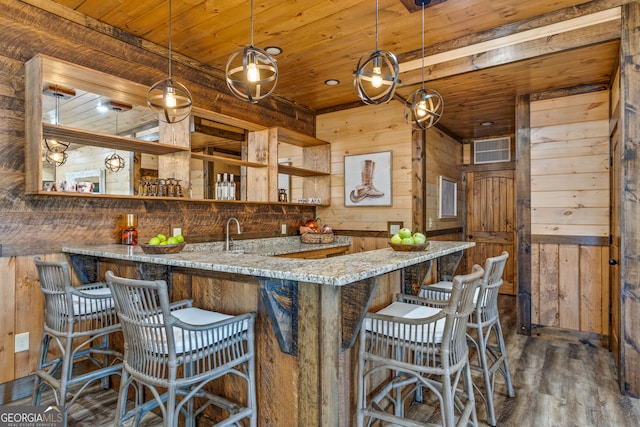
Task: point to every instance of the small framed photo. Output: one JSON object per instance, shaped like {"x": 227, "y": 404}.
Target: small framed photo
{"x": 367, "y": 179}
{"x": 447, "y": 202}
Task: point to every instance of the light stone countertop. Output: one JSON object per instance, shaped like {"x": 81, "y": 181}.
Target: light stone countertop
{"x": 334, "y": 271}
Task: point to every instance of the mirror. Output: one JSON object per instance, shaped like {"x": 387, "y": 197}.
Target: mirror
{"x": 95, "y": 113}
{"x": 96, "y": 116}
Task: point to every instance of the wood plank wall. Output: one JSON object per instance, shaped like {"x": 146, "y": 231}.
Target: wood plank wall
{"x": 570, "y": 212}
{"x": 380, "y": 128}
{"x": 32, "y": 225}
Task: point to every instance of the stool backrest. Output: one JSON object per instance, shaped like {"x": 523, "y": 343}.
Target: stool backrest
{"x": 487, "y": 304}
{"x": 143, "y": 309}
{"x": 55, "y": 284}
{"x": 460, "y": 306}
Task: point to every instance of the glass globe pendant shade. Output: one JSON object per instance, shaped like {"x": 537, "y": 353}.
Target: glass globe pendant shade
{"x": 424, "y": 108}
{"x": 251, "y": 74}
{"x": 114, "y": 162}
{"x": 56, "y": 158}
{"x": 376, "y": 77}
{"x": 170, "y": 99}
{"x": 56, "y": 145}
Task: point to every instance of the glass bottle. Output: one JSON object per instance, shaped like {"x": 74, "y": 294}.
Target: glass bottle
{"x": 218, "y": 195}
{"x": 232, "y": 188}
{"x": 225, "y": 187}
{"x": 130, "y": 233}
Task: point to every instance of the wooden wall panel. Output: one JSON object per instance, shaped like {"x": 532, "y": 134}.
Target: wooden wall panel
{"x": 570, "y": 199}
{"x": 382, "y": 128}
{"x": 570, "y": 138}
{"x": 364, "y": 130}
{"x": 7, "y": 319}
{"x": 570, "y": 287}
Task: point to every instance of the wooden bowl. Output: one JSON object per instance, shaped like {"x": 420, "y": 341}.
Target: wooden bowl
{"x": 408, "y": 248}
{"x": 162, "y": 249}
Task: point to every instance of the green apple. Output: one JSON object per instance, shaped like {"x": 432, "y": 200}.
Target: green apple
{"x": 179, "y": 238}
{"x": 172, "y": 241}
{"x": 407, "y": 241}
{"x": 419, "y": 238}
{"x": 404, "y": 233}
{"x": 154, "y": 241}
{"x": 161, "y": 236}
{"x": 396, "y": 239}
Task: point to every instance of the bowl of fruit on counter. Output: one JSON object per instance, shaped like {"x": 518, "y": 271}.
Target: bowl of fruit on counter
{"x": 161, "y": 244}
{"x": 406, "y": 240}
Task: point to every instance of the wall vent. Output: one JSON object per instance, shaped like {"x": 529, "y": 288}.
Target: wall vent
{"x": 494, "y": 150}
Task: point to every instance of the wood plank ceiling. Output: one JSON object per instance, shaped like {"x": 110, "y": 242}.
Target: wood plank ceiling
{"x": 470, "y": 58}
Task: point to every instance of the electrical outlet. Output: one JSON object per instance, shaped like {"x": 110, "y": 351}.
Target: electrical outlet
{"x": 176, "y": 230}
{"x": 21, "y": 342}
{"x": 283, "y": 229}
{"x": 430, "y": 223}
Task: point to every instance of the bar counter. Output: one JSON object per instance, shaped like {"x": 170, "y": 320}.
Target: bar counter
{"x": 309, "y": 311}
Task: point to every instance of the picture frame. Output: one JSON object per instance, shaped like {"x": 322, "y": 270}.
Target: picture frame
{"x": 97, "y": 177}
{"x": 367, "y": 179}
{"x": 448, "y": 198}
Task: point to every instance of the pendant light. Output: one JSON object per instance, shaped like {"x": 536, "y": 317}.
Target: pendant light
{"x": 424, "y": 107}
{"x": 376, "y": 76}
{"x": 114, "y": 162}
{"x": 56, "y": 158}
{"x": 168, "y": 98}
{"x": 55, "y": 145}
{"x": 251, "y": 73}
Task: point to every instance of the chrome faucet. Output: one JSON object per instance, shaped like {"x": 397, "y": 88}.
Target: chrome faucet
{"x": 227, "y": 241}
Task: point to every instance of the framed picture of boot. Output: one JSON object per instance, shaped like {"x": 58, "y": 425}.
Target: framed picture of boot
{"x": 367, "y": 179}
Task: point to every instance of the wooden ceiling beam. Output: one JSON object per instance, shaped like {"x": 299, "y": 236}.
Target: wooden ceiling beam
{"x": 600, "y": 33}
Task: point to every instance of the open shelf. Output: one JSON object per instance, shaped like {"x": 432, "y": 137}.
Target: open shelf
{"x": 292, "y": 170}
{"x": 227, "y": 160}
{"x": 97, "y": 139}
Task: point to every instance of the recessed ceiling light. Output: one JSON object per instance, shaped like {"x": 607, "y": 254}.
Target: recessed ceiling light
{"x": 273, "y": 50}
{"x": 332, "y": 82}
{"x": 488, "y": 123}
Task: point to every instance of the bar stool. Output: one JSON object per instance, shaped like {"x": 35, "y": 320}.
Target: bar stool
{"x": 415, "y": 344}
{"x": 485, "y": 319}
{"x": 79, "y": 320}
{"x": 175, "y": 350}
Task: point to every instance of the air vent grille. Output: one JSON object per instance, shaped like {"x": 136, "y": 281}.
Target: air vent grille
{"x": 494, "y": 150}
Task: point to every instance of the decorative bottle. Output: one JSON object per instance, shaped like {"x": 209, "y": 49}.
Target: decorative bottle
{"x": 130, "y": 233}
{"x": 232, "y": 188}
{"x": 225, "y": 187}
{"x": 218, "y": 187}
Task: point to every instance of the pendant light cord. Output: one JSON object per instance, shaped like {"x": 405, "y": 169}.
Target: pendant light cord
{"x": 170, "y": 31}
{"x": 423, "y": 45}
{"x": 376, "y": 25}
{"x": 251, "y": 40}
{"x": 57, "y": 95}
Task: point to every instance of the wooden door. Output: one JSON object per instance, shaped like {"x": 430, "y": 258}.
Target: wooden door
{"x": 490, "y": 220}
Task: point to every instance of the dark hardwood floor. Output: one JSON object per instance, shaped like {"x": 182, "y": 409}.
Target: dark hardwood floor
{"x": 557, "y": 382}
